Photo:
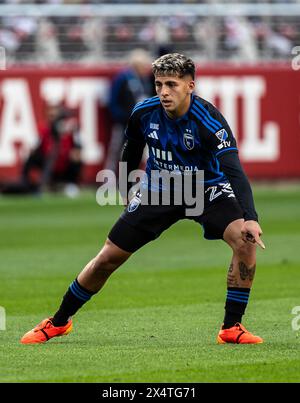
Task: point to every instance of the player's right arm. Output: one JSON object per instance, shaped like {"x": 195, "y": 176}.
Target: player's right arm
{"x": 133, "y": 148}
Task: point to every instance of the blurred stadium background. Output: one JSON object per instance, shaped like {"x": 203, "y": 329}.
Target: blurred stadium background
{"x": 157, "y": 318}
{"x": 70, "y": 51}
{"x": 58, "y": 31}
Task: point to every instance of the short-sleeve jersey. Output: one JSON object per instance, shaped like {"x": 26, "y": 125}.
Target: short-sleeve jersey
{"x": 190, "y": 143}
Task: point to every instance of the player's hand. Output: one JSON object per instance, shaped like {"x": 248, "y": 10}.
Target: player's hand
{"x": 251, "y": 232}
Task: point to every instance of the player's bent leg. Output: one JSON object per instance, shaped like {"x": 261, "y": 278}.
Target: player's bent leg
{"x": 89, "y": 282}
{"x": 239, "y": 281}
{"x": 242, "y": 269}
{"x": 97, "y": 271}
{"x": 124, "y": 239}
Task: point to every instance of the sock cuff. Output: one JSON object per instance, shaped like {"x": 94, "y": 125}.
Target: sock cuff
{"x": 79, "y": 291}
{"x": 247, "y": 290}
{"x": 238, "y": 294}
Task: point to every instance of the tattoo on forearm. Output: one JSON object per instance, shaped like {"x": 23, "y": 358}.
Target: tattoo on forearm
{"x": 246, "y": 273}
{"x": 232, "y": 281}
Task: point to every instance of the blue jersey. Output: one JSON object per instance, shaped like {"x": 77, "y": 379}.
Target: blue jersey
{"x": 190, "y": 143}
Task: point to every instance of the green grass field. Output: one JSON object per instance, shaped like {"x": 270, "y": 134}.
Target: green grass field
{"x": 157, "y": 318}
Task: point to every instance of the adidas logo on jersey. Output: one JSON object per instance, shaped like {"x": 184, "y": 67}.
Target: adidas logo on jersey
{"x": 153, "y": 135}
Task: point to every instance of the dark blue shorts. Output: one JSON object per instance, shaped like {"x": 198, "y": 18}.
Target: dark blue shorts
{"x": 140, "y": 224}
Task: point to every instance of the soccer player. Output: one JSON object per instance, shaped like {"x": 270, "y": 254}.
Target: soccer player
{"x": 183, "y": 132}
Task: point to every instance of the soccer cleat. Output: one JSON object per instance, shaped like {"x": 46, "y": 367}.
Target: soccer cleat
{"x": 44, "y": 331}
{"x": 237, "y": 334}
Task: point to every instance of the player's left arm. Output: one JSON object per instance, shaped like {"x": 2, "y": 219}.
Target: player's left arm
{"x": 231, "y": 166}
{"x": 223, "y": 144}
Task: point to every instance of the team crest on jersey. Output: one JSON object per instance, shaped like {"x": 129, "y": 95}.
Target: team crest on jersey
{"x": 222, "y": 134}
{"x": 188, "y": 139}
{"x": 134, "y": 204}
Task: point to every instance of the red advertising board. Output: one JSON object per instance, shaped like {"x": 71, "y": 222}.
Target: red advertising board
{"x": 261, "y": 104}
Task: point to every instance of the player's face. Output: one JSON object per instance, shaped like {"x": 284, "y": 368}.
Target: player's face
{"x": 174, "y": 93}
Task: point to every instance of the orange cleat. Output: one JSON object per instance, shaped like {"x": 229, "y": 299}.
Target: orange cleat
{"x": 237, "y": 334}
{"x": 44, "y": 331}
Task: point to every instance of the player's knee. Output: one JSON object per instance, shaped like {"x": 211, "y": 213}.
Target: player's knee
{"x": 246, "y": 251}
{"x": 105, "y": 263}
{"x": 110, "y": 258}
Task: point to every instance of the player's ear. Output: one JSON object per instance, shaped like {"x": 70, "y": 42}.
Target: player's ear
{"x": 191, "y": 86}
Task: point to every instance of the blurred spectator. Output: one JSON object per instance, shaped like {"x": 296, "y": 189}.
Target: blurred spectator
{"x": 57, "y": 158}
{"x": 279, "y": 39}
{"x": 47, "y": 47}
{"x": 93, "y": 33}
{"x": 206, "y": 31}
{"x": 130, "y": 86}
{"x": 18, "y": 34}
{"x": 240, "y": 41}
{"x": 162, "y": 36}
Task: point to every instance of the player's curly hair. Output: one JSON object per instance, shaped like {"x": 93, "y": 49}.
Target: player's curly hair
{"x": 173, "y": 64}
